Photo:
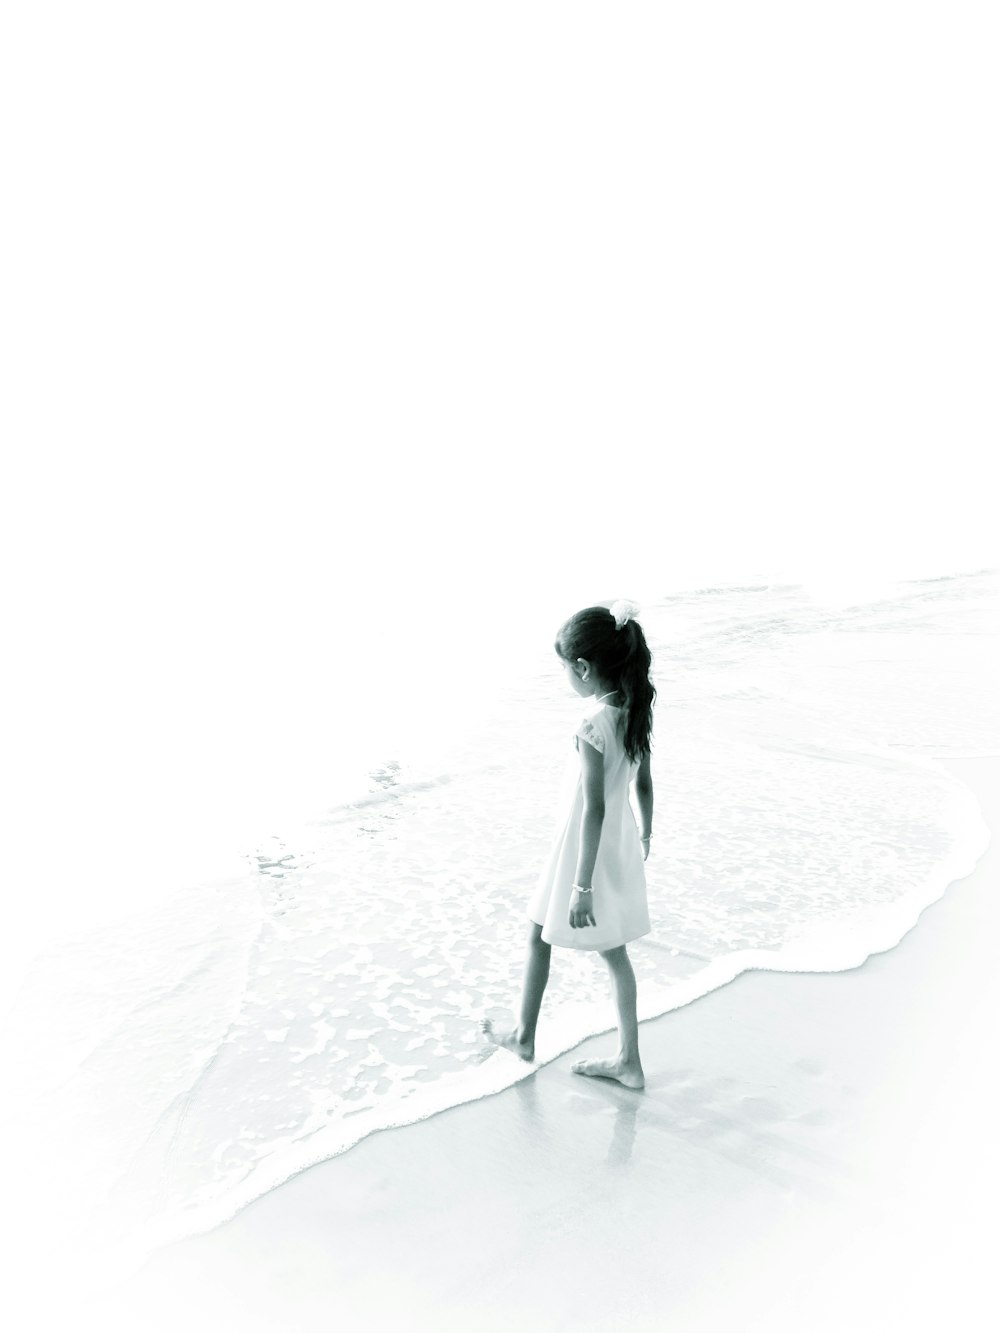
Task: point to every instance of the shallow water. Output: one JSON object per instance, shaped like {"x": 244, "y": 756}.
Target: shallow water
{"x": 179, "y": 1063}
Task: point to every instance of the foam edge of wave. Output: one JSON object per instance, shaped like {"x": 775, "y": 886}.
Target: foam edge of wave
{"x": 844, "y": 947}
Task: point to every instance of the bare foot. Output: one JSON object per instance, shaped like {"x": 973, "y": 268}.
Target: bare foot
{"x": 509, "y": 1041}
{"x": 630, "y": 1075}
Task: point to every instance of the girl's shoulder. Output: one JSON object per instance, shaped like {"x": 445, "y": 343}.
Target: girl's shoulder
{"x": 602, "y": 727}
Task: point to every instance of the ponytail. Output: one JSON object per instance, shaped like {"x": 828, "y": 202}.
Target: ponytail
{"x": 639, "y": 693}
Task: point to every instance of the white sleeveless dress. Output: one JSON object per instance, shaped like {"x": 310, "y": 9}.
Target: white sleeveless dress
{"x": 619, "y": 881}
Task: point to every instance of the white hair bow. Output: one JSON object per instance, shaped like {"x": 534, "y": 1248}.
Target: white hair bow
{"x": 624, "y": 612}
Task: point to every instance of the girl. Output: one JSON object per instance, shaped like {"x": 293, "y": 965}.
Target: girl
{"x": 592, "y": 892}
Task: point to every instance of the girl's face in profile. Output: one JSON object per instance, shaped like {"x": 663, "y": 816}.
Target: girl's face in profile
{"x": 583, "y": 688}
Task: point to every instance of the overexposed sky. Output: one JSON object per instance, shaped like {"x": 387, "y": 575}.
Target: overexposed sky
{"x": 306, "y": 294}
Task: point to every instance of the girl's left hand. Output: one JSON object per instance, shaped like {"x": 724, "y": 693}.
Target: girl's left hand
{"x": 581, "y": 910}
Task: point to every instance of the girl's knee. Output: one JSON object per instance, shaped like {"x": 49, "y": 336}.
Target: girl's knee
{"x": 613, "y": 957}
{"x": 535, "y": 936}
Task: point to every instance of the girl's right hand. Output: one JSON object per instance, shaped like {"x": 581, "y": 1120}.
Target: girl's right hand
{"x": 581, "y": 910}
{"x": 645, "y": 847}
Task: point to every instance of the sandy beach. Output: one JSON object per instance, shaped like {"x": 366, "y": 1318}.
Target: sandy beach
{"x": 812, "y": 1150}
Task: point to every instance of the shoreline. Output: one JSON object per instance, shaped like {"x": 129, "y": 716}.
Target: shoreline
{"x": 822, "y": 949}
{"x": 769, "y": 1145}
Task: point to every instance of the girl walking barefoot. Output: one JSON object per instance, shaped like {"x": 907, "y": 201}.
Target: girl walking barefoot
{"x": 591, "y": 893}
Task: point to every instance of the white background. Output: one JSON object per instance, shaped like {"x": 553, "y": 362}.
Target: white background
{"x": 346, "y": 344}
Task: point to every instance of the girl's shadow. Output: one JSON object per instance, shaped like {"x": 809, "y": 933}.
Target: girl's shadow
{"x": 628, "y": 1105}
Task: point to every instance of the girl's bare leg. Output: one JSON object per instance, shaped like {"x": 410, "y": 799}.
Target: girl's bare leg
{"x": 626, "y": 1067}
{"x": 536, "y": 974}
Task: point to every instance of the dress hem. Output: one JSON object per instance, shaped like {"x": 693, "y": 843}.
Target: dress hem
{"x": 590, "y": 948}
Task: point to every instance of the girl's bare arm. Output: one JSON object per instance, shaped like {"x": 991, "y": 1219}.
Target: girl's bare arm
{"x": 593, "y": 811}
{"x": 644, "y": 796}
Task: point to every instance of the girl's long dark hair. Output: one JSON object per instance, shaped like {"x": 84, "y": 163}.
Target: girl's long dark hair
{"x": 622, "y": 658}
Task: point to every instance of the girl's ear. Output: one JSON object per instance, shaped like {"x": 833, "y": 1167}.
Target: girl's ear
{"x": 584, "y": 668}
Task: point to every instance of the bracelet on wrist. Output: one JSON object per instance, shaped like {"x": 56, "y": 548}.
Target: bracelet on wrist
{"x": 580, "y": 889}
